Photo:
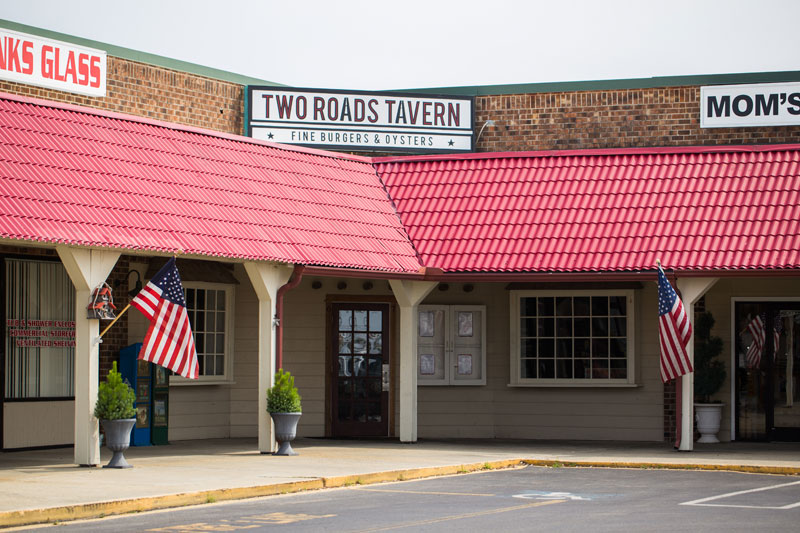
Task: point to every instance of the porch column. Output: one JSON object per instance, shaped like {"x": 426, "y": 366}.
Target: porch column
{"x": 87, "y": 269}
{"x": 266, "y": 280}
{"x": 692, "y": 289}
{"x": 409, "y": 294}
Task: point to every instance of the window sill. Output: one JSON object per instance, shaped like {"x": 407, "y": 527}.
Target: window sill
{"x": 184, "y": 382}
{"x": 576, "y": 385}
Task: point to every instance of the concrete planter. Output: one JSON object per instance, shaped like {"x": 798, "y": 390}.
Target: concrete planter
{"x": 118, "y": 439}
{"x": 285, "y": 431}
{"x": 708, "y": 416}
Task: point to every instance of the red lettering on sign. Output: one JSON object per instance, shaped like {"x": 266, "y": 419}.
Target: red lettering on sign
{"x": 95, "y": 72}
{"x": 47, "y": 62}
{"x": 454, "y": 115}
{"x": 373, "y": 117}
{"x": 426, "y": 113}
{"x": 319, "y": 108}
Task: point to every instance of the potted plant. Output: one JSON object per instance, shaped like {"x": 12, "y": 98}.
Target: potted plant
{"x": 709, "y": 375}
{"x": 283, "y": 405}
{"x": 114, "y": 408}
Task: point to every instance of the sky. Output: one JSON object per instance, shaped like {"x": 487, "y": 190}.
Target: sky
{"x": 403, "y": 44}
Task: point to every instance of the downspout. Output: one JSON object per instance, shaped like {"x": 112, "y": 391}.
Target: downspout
{"x": 293, "y": 282}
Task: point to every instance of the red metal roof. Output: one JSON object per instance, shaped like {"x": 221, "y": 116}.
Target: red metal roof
{"x": 73, "y": 175}
{"x": 699, "y": 208}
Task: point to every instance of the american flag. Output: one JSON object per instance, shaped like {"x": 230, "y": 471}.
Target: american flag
{"x": 169, "y": 342}
{"x": 674, "y": 331}
{"x": 756, "y": 330}
{"x": 776, "y": 333}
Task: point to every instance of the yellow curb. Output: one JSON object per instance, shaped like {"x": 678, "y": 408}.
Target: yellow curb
{"x": 134, "y": 505}
{"x": 751, "y": 469}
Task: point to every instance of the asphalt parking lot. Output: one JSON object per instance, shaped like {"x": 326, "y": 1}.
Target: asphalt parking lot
{"x": 520, "y": 499}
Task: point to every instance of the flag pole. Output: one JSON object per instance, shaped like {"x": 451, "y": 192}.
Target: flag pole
{"x": 112, "y": 322}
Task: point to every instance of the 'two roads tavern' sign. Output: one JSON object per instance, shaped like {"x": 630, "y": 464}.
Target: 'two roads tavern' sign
{"x": 360, "y": 121}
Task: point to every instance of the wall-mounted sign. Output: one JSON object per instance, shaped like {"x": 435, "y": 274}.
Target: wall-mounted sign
{"x": 53, "y": 64}
{"x": 743, "y": 106}
{"x": 360, "y": 121}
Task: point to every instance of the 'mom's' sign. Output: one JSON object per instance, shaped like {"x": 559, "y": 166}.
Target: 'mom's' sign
{"x": 360, "y": 121}
{"x": 741, "y": 106}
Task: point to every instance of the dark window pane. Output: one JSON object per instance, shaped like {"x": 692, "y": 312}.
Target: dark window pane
{"x": 599, "y": 348}
{"x": 345, "y": 388}
{"x": 546, "y": 327}
{"x": 582, "y": 348}
{"x": 600, "y": 369}
{"x": 528, "y": 348}
{"x": 564, "y": 327}
{"x": 527, "y": 307}
{"x": 619, "y": 326}
{"x": 582, "y": 369}
{"x": 220, "y": 300}
{"x": 345, "y": 320}
{"x": 359, "y": 366}
{"x": 359, "y": 412}
{"x": 345, "y": 365}
{"x": 211, "y": 300}
{"x": 564, "y": 348}
{"x": 599, "y": 305}
{"x": 374, "y": 388}
{"x": 360, "y": 389}
{"x": 201, "y": 299}
{"x": 200, "y": 342}
{"x": 600, "y": 327}
{"x": 376, "y": 320}
{"x": 581, "y": 304}
{"x": 344, "y": 410}
{"x": 564, "y": 369}
{"x": 582, "y": 327}
{"x": 527, "y": 327}
{"x": 617, "y": 305}
{"x": 546, "y": 306}
{"x": 376, "y": 343}
{"x": 200, "y": 321}
{"x": 375, "y": 364}
{"x": 189, "y": 295}
{"x": 619, "y": 348}
{"x": 546, "y": 348}
{"x": 547, "y": 368}
{"x": 345, "y": 343}
{"x": 619, "y": 368}
{"x": 564, "y": 306}
{"x": 374, "y": 412}
{"x": 529, "y": 368}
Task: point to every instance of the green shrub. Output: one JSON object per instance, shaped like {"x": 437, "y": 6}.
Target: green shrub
{"x": 709, "y": 372}
{"x": 115, "y": 398}
{"x": 283, "y": 397}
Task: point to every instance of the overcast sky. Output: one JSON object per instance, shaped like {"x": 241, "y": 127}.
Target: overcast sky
{"x": 399, "y": 44}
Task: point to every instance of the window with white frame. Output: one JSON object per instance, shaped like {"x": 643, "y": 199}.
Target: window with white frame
{"x": 210, "y": 309}
{"x": 576, "y": 337}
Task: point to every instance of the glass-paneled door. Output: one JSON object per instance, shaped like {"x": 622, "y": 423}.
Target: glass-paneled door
{"x": 767, "y": 338}
{"x": 360, "y": 369}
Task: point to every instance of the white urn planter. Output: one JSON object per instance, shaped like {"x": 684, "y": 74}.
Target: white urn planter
{"x": 708, "y": 416}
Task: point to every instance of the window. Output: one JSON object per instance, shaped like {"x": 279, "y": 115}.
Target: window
{"x": 40, "y": 330}
{"x": 451, "y": 345}
{"x": 578, "y": 338}
{"x": 210, "y": 309}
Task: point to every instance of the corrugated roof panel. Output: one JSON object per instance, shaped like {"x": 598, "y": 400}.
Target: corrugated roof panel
{"x": 618, "y": 210}
{"x": 83, "y": 177}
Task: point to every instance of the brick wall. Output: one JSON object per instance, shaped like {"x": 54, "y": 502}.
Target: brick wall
{"x": 608, "y": 119}
{"x": 159, "y": 93}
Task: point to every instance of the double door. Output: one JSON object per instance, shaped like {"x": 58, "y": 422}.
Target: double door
{"x": 767, "y": 347}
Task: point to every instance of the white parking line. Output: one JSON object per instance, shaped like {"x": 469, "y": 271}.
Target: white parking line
{"x": 702, "y": 502}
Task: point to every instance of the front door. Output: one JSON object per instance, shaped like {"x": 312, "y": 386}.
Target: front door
{"x": 768, "y": 370}
{"x": 359, "y": 369}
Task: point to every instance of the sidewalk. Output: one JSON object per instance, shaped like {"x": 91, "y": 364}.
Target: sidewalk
{"x": 44, "y": 485}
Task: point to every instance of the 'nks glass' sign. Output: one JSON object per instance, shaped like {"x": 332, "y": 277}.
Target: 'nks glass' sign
{"x": 53, "y": 64}
{"x": 360, "y": 121}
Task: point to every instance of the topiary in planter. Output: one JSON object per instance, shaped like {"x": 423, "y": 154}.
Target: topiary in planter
{"x": 283, "y": 405}
{"x": 283, "y": 397}
{"x": 709, "y": 372}
{"x": 114, "y": 408}
{"x": 115, "y": 398}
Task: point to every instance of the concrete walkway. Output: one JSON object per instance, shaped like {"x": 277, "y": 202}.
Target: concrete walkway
{"x": 44, "y": 485}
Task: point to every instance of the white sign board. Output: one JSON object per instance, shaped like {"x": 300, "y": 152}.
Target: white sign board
{"x": 749, "y": 106}
{"x": 360, "y": 121}
{"x": 53, "y": 64}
